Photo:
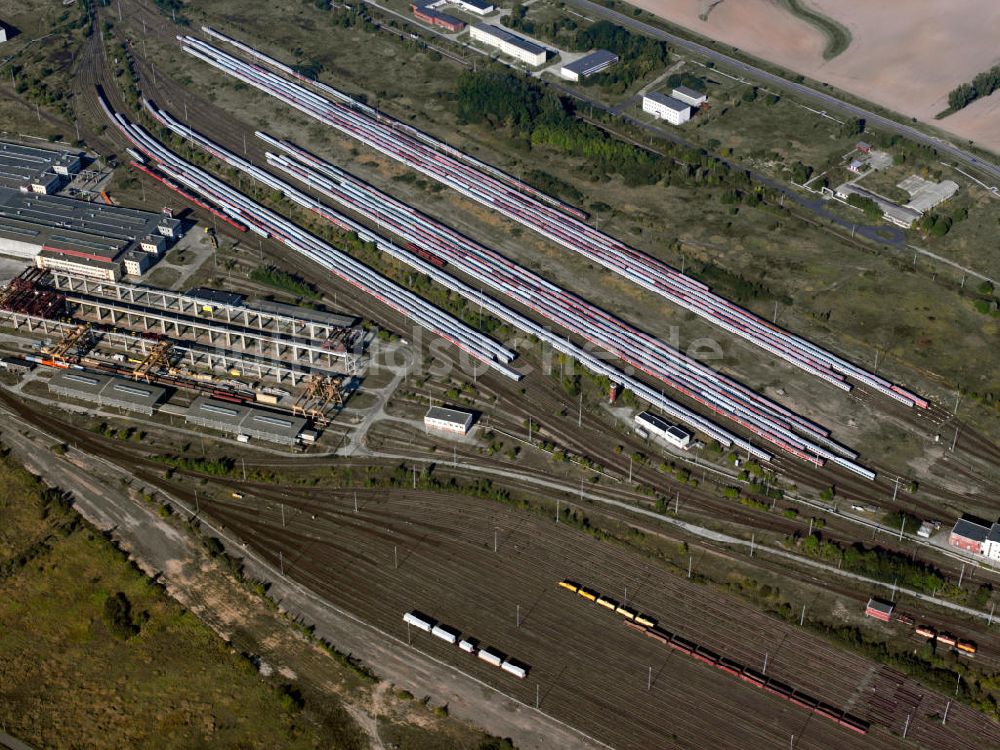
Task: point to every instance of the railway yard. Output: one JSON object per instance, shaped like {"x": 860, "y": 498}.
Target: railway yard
{"x": 310, "y": 447}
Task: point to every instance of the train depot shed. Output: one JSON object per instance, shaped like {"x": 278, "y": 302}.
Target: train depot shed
{"x": 106, "y": 390}
{"x": 66, "y": 234}
{"x": 879, "y": 609}
{"x": 241, "y": 419}
{"x": 444, "y": 419}
{"x": 25, "y": 167}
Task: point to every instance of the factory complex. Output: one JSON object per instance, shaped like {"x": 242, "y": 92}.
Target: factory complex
{"x": 94, "y": 239}
{"x": 36, "y": 170}
{"x": 255, "y": 369}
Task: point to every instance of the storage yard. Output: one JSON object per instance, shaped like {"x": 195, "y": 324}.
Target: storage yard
{"x": 585, "y": 665}
{"x": 267, "y": 223}
{"x": 433, "y": 159}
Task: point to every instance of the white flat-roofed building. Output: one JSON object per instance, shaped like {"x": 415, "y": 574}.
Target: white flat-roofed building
{"x": 689, "y": 96}
{"x": 588, "y": 65}
{"x": 510, "y": 44}
{"x": 479, "y": 7}
{"x": 153, "y": 243}
{"x": 661, "y": 428}
{"x": 444, "y": 419}
{"x": 666, "y": 108}
{"x": 46, "y": 183}
{"x": 137, "y": 262}
{"x": 991, "y": 545}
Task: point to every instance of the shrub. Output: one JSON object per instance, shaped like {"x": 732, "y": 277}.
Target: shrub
{"x": 118, "y": 616}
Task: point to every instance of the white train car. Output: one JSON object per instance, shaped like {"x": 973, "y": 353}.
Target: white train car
{"x": 445, "y": 633}
{"x": 515, "y": 669}
{"x": 419, "y": 621}
{"x": 490, "y": 656}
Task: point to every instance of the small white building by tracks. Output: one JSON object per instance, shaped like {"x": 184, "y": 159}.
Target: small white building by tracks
{"x": 447, "y": 420}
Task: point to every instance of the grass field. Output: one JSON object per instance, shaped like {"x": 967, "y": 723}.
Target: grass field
{"x": 68, "y": 679}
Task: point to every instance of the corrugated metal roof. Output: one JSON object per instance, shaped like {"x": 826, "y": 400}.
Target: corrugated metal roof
{"x": 587, "y": 63}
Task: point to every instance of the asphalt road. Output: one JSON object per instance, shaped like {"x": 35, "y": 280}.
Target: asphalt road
{"x": 825, "y": 100}
{"x": 12, "y": 742}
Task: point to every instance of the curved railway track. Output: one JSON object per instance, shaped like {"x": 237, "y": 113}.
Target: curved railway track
{"x": 222, "y": 128}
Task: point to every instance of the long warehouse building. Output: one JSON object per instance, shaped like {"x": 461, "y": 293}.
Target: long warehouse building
{"x": 240, "y": 419}
{"x": 107, "y": 390}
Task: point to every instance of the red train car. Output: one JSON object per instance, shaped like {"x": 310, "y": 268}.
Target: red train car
{"x": 224, "y": 396}
{"x": 779, "y": 689}
{"x": 730, "y": 667}
{"x": 854, "y": 724}
{"x": 830, "y": 712}
{"x": 753, "y": 677}
{"x": 704, "y": 655}
{"x": 682, "y": 644}
{"x": 803, "y": 700}
{"x": 430, "y": 257}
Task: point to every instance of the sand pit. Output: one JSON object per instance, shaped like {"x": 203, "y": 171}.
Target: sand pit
{"x": 905, "y": 56}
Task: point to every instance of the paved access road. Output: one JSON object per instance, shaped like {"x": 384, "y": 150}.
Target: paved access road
{"x": 826, "y": 100}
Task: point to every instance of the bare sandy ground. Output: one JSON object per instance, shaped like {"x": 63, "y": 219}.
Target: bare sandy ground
{"x": 906, "y": 55}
